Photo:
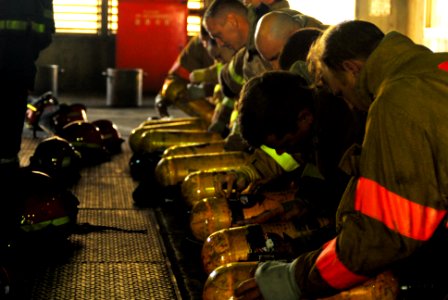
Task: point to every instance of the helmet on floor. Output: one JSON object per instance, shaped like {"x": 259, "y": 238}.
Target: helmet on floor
{"x": 142, "y": 165}
{"x": 111, "y": 136}
{"x": 58, "y": 158}
{"x": 87, "y": 139}
{"x": 46, "y": 210}
{"x": 67, "y": 114}
{"x": 39, "y": 109}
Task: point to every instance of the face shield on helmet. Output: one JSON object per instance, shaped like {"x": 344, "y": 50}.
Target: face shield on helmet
{"x": 87, "y": 139}
{"x": 111, "y": 136}
{"x": 56, "y": 157}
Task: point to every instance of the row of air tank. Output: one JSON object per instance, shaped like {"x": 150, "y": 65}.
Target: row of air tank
{"x": 239, "y": 231}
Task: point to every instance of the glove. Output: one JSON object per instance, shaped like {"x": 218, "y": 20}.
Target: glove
{"x": 198, "y": 76}
{"x": 234, "y": 142}
{"x": 195, "y": 91}
{"x": 276, "y": 280}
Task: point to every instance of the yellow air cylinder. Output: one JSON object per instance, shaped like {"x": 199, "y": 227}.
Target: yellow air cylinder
{"x": 382, "y": 287}
{"x": 201, "y": 108}
{"x": 221, "y": 283}
{"x": 279, "y": 240}
{"x": 194, "y": 120}
{"x": 199, "y": 185}
{"x": 176, "y": 92}
{"x": 161, "y": 139}
{"x": 215, "y": 213}
{"x": 172, "y": 170}
{"x": 137, "y": 133}
{"x": 201, "y": 148}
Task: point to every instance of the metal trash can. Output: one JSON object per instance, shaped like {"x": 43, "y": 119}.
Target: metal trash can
{"x": 124, "y": 87}
{"x": 47, "y": 79}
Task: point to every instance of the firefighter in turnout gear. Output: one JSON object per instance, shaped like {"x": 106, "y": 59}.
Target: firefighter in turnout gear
{"x": 26, "y": 28}
{"x": 393, "y": 214}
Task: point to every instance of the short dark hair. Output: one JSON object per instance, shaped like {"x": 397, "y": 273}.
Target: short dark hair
{"x": 220, "y": 7}
{"x": 347, "y": 40}
{"x": 270, "y": 104}
{"x": 297, "y": 46}
{"x": 203, "y": 33}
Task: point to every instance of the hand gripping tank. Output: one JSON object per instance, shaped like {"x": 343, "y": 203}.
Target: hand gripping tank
{"x": 221, "y": 283}
{"x": 176, "y": 92}
{"x": 216, "y": 213}
{"x": 201, "y": 184}
{"x": 255, "y": 242}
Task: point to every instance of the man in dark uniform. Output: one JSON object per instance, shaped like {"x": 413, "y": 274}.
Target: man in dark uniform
{"x": 26, "y": 28}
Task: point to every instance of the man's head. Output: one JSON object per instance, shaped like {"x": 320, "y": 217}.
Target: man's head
{"x": 271, "y": 34}
{"x": 220, "y": 54}
{"x": 276, "y": 109}
{"x": 339, "y": 56}
{"x": 297, "y": 47}
{"x": 227, "y": 22}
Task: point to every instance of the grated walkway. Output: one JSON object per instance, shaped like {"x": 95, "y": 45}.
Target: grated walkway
{"x": 117, "y": 251}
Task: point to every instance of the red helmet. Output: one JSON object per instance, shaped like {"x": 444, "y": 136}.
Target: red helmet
{"x": 58, "y": 158}
{"x": 111, "y": 136}
{"x": 46, "y": 210}
{"x": 67, "y": 114}
{"x": 87, "y": 139}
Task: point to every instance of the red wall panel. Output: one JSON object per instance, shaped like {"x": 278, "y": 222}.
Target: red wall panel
{"x": 150, "y": 36}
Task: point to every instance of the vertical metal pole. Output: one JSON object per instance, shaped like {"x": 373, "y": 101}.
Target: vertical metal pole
{"x": 104, "y": 17}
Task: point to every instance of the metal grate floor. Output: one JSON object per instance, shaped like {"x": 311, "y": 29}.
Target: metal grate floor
{"x": 116, "y": 251}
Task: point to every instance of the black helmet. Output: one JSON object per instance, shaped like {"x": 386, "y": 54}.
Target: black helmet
{"x": 142, "y": 165}
{"x": 87, "y": 139}
{"x": 111, "y": 136}
{"x": 38, "y": 109}
{"x": 58, "y": 158}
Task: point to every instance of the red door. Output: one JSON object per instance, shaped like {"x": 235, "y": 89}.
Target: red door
{"x": 150, "y": 36}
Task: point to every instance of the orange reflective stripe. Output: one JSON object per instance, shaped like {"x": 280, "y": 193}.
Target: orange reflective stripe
{"x": 444, "y": 66}
{"x": 408, "y": 218}
{"x": 333, "y": 270}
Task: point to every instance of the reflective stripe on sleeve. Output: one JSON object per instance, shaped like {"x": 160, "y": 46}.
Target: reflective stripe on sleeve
{"x": 235, "y": 76}
{"x": 333, "y": 271}
{"x": 20, "y": 25}
{"x": 285, "y": 160}
{"x": 444, "y": 66}
{"x": 399, "y": 214}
